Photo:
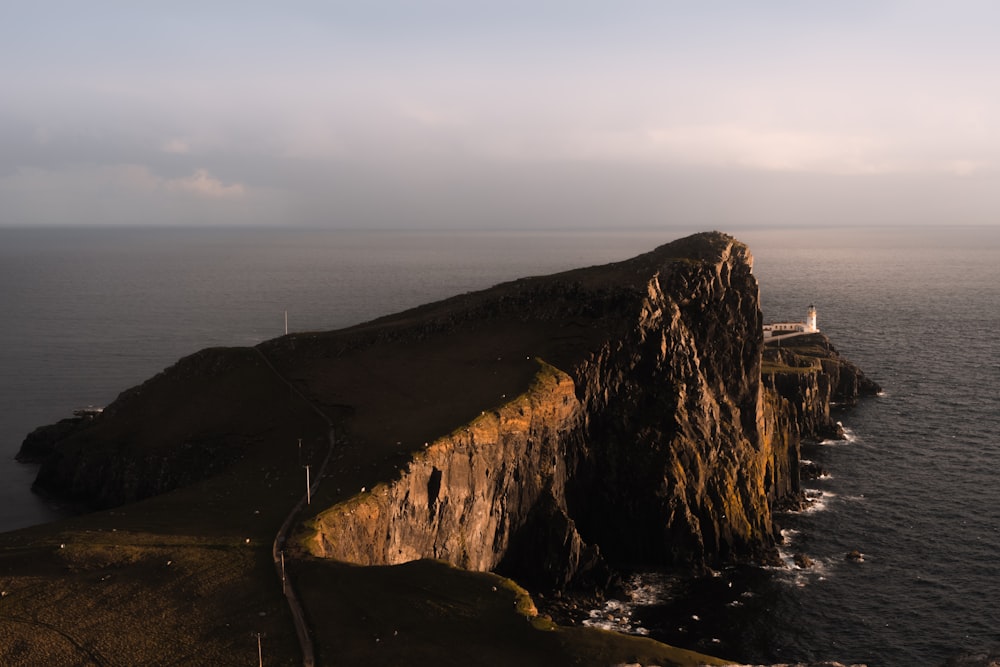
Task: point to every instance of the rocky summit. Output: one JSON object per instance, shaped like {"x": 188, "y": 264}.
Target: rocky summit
{"x": 551, "y": 429}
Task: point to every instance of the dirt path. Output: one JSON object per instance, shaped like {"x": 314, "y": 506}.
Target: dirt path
{"x": 277, "y": 548}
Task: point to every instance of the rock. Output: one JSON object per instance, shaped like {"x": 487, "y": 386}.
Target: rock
{"x": 185, "y": 424}
{"x": 802, "y": 561}
{"x": 811, "y": 470}
{"x": 975, "y": 659}
{"x": 854, "y": 555}
{"x": 40, "y": 444}
{"x": 810, "y": 374}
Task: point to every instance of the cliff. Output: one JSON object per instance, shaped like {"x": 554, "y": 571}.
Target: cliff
{"x": 809, "y": 372}
{"x": 474, "y": 496}
{"x": 657, "y": 443}
{"x": 186, "y": 424}
{"x": 622, "y": 414}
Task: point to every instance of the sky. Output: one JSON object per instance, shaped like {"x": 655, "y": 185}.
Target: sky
{"x": 514, "y": 114}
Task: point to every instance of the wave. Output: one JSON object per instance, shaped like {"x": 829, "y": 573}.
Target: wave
{"x": 643, "y": 589}
{"x": 850, "y": 437}
{"x": 816, "y": 500}
{"x": 789, "y": 534}
{"x": 615, "y": 615}
{"x": 799, "y": 569}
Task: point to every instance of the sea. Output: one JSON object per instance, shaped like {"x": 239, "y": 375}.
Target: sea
{"x": 89, "y": 312}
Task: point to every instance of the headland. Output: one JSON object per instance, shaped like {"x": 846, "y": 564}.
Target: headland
{"x": 542, "y": 433}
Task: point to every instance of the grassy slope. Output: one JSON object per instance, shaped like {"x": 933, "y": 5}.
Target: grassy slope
{"x": 98, "y": 589}
{"x": 109, "y": 596}
{"x": 427, "y": 612}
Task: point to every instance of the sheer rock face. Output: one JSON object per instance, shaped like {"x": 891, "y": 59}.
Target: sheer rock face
{"x": 676, "y": 439}
{"x": 665, "y": 448}
{"x": 468, "y": 495}
{"x": 40, "y": 444}
{"x": 812, "y": 376}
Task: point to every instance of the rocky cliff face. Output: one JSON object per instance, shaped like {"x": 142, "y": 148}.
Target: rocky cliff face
{"x": 667, "y": 449}
{"x": 472, "y": 497}
{"x": 676, "y": 436}
{"x": 811, "y": 375}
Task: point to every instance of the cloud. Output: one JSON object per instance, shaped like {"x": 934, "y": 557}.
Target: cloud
{"x": 964, "y": 167}
{"x": 203, "y": 184}
{"x": 176, "y": 147}
{"x": 128, "y": 194}
{"x": 139, "y": 178}
{"x": 771, "y": 150}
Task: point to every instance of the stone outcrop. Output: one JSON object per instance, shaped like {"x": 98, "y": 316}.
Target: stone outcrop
{"x": 813, "y": 377}
{"x": 675, "y": 436}
{"x": 41, "y": 443}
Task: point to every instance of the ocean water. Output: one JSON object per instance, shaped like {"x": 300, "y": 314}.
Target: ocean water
{"x": 89, "y": 313}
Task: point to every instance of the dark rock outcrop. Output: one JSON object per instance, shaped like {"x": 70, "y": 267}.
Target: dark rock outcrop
{"x": 990, "y": 658}
{"x": 41, "y": 443}
{"x": 186, "y": 424}
{"x": 809, "y": 372}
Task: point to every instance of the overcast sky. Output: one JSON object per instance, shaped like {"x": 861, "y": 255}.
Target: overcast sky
{"x": 466, "y": 113}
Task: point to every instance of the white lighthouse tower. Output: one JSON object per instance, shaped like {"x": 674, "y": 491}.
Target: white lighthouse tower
{"x": 811, "y": 320}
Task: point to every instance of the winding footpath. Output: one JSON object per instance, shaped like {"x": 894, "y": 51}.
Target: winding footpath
{"x": 277, "y": 547}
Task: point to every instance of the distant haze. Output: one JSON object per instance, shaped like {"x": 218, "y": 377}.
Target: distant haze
{"x": 466, "y": 114}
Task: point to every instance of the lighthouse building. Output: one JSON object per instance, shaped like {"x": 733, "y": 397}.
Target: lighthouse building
{"x": 793, "y": 328}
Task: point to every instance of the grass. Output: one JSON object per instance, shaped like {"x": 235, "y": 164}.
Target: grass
{"x": 173, "y": 579}
{"x": 181, "y": 578}
{"x": 771, "y": 367}
{"x": 427, "y": 612}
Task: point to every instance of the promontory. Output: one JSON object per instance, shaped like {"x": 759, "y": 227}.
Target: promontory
{"x": 540, "y": 435}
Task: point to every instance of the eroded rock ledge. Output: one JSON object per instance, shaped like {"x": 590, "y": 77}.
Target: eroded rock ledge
{"x": 472, "y": 497}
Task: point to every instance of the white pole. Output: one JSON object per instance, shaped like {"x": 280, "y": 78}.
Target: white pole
{"x": 308, "y": 490}
{"x": 282, "y": 568}
{"x": 260, "y": 652}
{"x": 286, "y": 322}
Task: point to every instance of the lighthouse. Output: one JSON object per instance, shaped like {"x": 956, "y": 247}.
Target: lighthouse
{"x": 811, "y": 320}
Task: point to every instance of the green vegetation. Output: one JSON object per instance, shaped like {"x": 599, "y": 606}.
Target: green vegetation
{"x": 186, "y": 577}
{"x": 427, "y": 612}
{"x": 771, "y": 367}
{"x": 802, "y": 354}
